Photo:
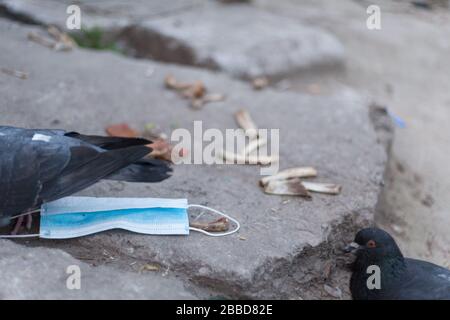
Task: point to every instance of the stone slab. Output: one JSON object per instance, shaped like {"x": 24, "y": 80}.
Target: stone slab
{"x": 239, "y": 39}
{"x": 284, "y": 243}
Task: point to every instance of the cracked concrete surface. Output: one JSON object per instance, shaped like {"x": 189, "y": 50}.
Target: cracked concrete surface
{"x": 41, "y": 273}
{"x": 391, "y": 67}
{"x": 283, "y": 247}
{"x": 404, "y": 67}
{"x": 201, "y": 33}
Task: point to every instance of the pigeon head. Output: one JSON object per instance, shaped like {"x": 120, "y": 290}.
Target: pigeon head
{"x": 373, "y": 244}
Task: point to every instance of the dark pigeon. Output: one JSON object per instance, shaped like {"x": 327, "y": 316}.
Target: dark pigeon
{"x": 401, "y": 278}
{"x": 38, "y": 165}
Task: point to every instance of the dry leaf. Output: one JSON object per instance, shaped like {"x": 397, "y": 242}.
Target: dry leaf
{"x": 220, "y": 225}
{"x": 121, "y": 130}
{"x": 195, "y": 91}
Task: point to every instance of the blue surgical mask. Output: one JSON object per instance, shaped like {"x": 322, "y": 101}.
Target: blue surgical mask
{"x": 73, "y": 217}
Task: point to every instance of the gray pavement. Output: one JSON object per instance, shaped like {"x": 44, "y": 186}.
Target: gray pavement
{"x": 286, "y": 245}
{"x": 239, "y": 39}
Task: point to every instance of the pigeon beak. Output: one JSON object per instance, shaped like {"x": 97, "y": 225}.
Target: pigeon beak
{"x": 352, "y": 247}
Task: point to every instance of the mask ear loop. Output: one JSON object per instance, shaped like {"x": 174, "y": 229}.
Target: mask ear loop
{"x": 238, "y": 225}
{"x": 17, "y": 236}
{"x": 12, "y": 236}
{"x": 25, "y": 213}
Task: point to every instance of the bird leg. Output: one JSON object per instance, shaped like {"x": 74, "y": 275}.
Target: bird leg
{"x": 20, "y": 221}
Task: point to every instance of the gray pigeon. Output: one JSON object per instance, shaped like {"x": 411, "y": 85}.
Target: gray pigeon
{"x": 401, "y": 278}
{"x": 40, "y": 165}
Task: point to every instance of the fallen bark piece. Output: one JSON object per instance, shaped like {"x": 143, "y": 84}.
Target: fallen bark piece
{"x": 293, "y": 187}
{"x": 230, "y": 157}
{"x": 245, "y": 122}
{"x": 328, "y": 188}
{"x": 220, "y": 225}
{"x": 299, "y": 172}
{"x": 14, "y": 73}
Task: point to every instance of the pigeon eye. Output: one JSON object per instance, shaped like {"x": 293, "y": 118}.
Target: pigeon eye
{"x": 371, "y": 244}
